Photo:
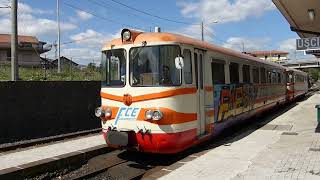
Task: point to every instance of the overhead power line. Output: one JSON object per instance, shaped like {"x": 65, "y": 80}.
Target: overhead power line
{"x": 211, "y": 34}
{"x": 108, "y": 7}
{"x": 77, "y": 40}
{"x": 149, "y": 14}
{"x": 101, "y": 17}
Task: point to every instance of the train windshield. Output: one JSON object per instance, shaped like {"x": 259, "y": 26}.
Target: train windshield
{"x": 114, "y": 67}
{"x": 154, "y": 66}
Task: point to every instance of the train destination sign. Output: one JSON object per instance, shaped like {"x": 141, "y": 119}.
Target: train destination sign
{"x": 308, "y": 43}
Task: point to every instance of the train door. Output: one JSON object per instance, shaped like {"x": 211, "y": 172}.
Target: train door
{"x": 199, "y": 68}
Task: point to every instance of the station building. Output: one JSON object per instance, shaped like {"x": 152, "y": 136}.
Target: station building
{"x": 273, "y": 55}
{"x": 29, "y": 50}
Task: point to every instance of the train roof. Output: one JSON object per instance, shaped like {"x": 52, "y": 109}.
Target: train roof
{"x": 156, "y": 37}
{"x": 297, "y": 71}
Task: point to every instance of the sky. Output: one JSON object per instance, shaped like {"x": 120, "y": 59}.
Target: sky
{"x": 87, "y": 24}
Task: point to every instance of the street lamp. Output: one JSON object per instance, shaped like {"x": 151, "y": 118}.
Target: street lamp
{"x": 202, "y": 28}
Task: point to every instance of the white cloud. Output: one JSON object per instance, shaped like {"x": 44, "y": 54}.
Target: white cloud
{"x": 29, "y": 24}
{"x": 83, "y": 15}
{"x": 225, "y": 10}
{"x": 90, "y": 43}
{"x": 240, "y": 43}
{"x": 92, "y": 38}
{"x": 194, "y": 31}
{"x": 288, "y": 45}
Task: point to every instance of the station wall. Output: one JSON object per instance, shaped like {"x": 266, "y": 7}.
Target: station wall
{"x": 36, "y": 109}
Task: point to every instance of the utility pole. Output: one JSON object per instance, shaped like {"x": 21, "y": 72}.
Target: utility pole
{"x": 14, "y": 41}
{"x": 58, "y": 26}
{"x": 202, "y": 29}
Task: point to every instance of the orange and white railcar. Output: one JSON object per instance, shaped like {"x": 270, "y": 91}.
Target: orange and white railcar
{"x": 297, "y": 83}
{"x": 163, "y": 92}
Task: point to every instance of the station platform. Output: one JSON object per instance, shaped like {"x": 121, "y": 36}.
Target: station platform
{"x": 22, "y": 158}
{"x": 288, "y": 147}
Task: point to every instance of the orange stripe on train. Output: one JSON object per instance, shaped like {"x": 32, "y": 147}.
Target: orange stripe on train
{"x": 151, "y": 96}
{"x": 169, "y": 116}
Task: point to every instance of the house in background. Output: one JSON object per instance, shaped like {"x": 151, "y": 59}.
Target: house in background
{"x": 65, "y": 63}
{"x": 29, "y": 50}
{"x": 53, "y": 64}
{"x": 273, "y": 55}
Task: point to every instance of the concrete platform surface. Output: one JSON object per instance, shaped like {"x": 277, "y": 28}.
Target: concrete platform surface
{"x": 286, "y": 148}
{"x": 18, "y": 158}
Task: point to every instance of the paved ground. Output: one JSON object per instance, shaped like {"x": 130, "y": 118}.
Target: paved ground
{"x": 286, "y": 148}
{"x": 16, "y": 159}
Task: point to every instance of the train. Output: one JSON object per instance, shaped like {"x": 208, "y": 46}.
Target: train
{"x": 164, "y": 93}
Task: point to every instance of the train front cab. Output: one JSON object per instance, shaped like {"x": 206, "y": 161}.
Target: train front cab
{"x": 146, "y": 111}
{"x": 297, "y": 84}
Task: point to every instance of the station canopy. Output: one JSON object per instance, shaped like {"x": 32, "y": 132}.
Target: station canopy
{"x": 302, "y": 15}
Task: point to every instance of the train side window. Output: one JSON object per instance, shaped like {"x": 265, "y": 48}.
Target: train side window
{"x": 255, "y": 73}
{"x": 263, "y": 75}
{"x": 279, "y": 78}
{"x": 187, "y": 69}
{"x": 246, "y": 73}
{"x": 201, "y": 71}
{"x": 234, "y": 73}
{"x": 196, "y": 68}
{"x": 217, "y": 70}
{"x": 274, "y": 77}
{"x": 269, "y": 76}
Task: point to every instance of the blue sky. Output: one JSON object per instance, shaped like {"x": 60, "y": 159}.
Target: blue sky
{"x": 257, "y": 24}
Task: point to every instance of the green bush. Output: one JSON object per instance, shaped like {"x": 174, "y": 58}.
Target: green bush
{"x": 39, "y": 74}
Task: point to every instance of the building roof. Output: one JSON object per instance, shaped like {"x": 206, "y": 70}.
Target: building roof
{"x": 6, "y": 38}
{"x": 272, "y": 52}
{"x": 64, "y": 60}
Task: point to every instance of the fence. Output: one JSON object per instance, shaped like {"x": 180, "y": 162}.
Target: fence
{"x": 34, "y": 109}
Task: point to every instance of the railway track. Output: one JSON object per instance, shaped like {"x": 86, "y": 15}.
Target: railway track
{"x": 119, "y": 164}
{"x": 39, "y": 141}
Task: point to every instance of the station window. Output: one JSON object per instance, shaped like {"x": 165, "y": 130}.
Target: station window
{"x": 234, "y": 73}
{"x": 263, "y": 75}
{"x": 255, "y": 74}
{"x": 217, "y": 69}
{"x": 187, "y": 69}
{"x": 246, "y": 73}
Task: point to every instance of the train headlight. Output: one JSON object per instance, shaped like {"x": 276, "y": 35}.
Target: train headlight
{"x": 157, "y": 115}
{"x": 126, "y": 35}
{"x": 149, "y": 114}
{"x": 108, "y": 113}
{"x": 99, "y": 112}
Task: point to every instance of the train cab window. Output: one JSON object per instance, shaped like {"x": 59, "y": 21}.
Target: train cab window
{"x": 246, "y": 73}
{"x": 154, "y": 66}
{"x": 187, "y": 69}
{"x": 114, "y": 67}
{"x": 234, "y": 73}
{"x": 255, "y": 74}
{"x": 263, "y": 75}
{"x": 217, "y": 70}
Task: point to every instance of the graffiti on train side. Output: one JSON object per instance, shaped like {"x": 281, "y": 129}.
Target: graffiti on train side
{"x": 229, "y": 100}
{"x": 233, "y": 99}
